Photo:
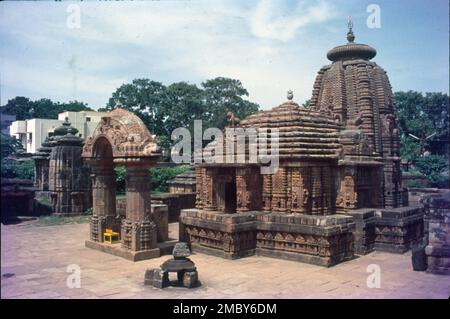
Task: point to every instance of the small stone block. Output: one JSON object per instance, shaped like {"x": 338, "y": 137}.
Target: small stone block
{"x": 190, "y": 279}
{"x": 156, "y": 277}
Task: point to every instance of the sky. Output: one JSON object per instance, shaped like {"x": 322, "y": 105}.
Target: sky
{"x": 271, "y": 46}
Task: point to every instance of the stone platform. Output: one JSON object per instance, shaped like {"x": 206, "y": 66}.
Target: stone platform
{"x": 164, "y": 248}
{"x": 229, "y": 236}
{"x": 437, "y": 232}
{"x": 319, "y": 240}
{"x": 364, "y": 233}
{"x": 40, "y": 271}
{"x": 389, "y": 229}
{"x": 398, "y": 228}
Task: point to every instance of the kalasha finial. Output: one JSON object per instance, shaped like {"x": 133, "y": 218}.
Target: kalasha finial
{"x": 350, "y": 35}
{"x": 290, "y": 95}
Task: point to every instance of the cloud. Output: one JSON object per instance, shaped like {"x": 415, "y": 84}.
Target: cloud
{"x": 165, "y": 41}
{"x": 270, "y": 46}
{"x": 271, "y": 20}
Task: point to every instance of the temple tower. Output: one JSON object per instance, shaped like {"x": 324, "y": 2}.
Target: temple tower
{"x": 358, "y": 94}
{"x": 68, "y": 177}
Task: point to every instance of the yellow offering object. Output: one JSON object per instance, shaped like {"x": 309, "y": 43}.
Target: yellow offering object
{"x": 110, "y": 236}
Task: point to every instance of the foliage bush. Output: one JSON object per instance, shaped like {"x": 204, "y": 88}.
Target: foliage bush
{"x": 160, "y": 177}
{"x": 16, "y": 169}
{"x": 435, "y": 168}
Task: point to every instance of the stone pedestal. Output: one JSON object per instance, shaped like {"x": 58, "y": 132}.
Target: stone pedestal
{"x": 437, "y": 232}
{"x": 228, "y": 236}
{"x": 157, "y": 278}
{"x": 319, "y": 240}
{"x": 185, "y": 269}
{"x": 364, "y": 234}
{"x": 398, "y": 228}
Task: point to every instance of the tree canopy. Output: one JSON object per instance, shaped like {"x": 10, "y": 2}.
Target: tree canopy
{"x": 421, "y": 116}
{"x": 165, "y": 108}
{"x": 424, "y": 127}
{"x": 24, "y": 108}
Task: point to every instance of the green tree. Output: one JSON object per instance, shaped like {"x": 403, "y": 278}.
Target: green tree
{"x": 165, "y": 108}
{"x": 9, "y": 145}
{"x": 424, "y": 126}
{"x": 19, "y": 106}
{"x": 183, "y": 105}
{"x": 423, "y": 115}
{"x": 223, "y": 95}
{"x": 145, "y": 98}
{"x": 17, "y": 169}
{"x": 435, "y": 168}
{"x": 23, "y": 108}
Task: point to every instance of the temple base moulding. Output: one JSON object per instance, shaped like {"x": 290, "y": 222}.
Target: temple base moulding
{"x": 164, "y": 248}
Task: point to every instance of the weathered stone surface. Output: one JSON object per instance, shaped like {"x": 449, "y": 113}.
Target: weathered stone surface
{"x": 398, "y": 228}
{"x": 121, "y": 138}
{"x": 185, "y": 269}
{"x": 437, "y": 232}
{"x": 183, "y": 183}
{"x": 175, "y": 203}
{"x": 181, "y": 250}
{"x": 157, "y": 278}
{"x": 61, "y": 173}
{"x": 190, "y": 279}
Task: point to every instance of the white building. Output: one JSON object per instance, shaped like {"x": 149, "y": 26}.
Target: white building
{"x": 31, "y": 133}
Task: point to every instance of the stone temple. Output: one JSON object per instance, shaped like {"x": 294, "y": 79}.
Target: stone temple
{"x": 61, "y": 175}
{"x": 338, "y": 188}
{"x": 121, "y": 138}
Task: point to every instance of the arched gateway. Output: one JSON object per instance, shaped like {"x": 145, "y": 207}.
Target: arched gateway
{"x": 121, "y": 138}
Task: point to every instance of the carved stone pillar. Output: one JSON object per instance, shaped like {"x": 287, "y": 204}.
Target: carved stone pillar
{"x": 267, "y": 192}
{"x": 103, "y": 198}
{"x": 279, "y": 188}
{"x": 199, "y": 187}
{"x": 242, "y": 191}
{"x": 299, "y": 192}
{"x": 138, "y": 230}
{"x": 209, "y": 193}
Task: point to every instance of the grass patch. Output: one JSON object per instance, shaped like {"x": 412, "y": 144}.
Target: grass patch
{"x": 62, "y": 220}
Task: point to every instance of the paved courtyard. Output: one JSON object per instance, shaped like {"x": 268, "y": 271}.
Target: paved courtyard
{"x": 34, "y": 261}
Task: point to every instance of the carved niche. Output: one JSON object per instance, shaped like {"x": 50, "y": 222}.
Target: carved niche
{"x": 347, "y": 197}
